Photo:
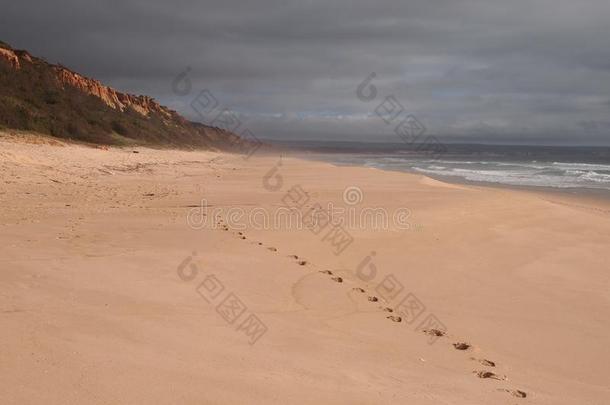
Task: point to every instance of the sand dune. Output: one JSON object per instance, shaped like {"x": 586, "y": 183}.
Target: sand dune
{"x": 469, "y": 295}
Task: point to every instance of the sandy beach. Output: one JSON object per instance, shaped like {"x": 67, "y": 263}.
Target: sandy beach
{"x": 116, "y": 286}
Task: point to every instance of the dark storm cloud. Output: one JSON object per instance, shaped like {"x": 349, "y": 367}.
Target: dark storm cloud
{"x": 469, "y": 69}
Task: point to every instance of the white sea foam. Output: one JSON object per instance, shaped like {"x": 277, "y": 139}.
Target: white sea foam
{"x": 551, "y": 175}
{"x": 527, "y": 173}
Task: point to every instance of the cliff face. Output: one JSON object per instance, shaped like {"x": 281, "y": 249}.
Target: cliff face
{"x": 144, "y": 105}
{"x": 50, "y": 98}
{"x": 119, "y": 101}
{"x": 11, "y": 57}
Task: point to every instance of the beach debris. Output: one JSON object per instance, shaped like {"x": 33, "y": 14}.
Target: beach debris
{"x": 461, "y": 346}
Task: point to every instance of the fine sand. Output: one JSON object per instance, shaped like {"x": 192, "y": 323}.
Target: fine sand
{"x": 109, "y": 295}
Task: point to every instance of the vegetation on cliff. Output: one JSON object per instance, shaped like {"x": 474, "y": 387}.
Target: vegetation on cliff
{"x": 51, "y": 99}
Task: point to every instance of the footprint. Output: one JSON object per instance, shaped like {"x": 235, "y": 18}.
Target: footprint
{"x": 326, "y": 272}
{"x": 337, "y": 279}
{"x": 360, "y": 290}
{"x": 484, "y": 362}
{"x": 514, "y": 393}
{"x": 295, "y": 257}
{"x": 434, "y": 332}
{"x": 373, "y": 299}
{"x": 302, "y": 262}
{"x": 394, "y": 318}
{"x": 242, "y": 237}
{"x": 488, "y": 374}
{"x": 387, "y": 309}
{"x": 461, "y": 346}
{"x": 260, "y": 243}
{"x": 272, "y": 249}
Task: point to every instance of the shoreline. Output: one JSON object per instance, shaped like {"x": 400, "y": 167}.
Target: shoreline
{"x": 590, "y": 194}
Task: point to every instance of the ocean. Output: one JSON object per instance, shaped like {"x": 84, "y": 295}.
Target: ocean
{"x": 558, "y": 167}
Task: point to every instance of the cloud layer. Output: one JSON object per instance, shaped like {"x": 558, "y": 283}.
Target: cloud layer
{"x": 470, "y": 70}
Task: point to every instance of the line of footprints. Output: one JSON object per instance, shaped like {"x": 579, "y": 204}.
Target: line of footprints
{"x": 462, "y": 346}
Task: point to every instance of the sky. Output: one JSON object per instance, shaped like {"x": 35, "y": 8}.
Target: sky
{"x": 535, "y": 71}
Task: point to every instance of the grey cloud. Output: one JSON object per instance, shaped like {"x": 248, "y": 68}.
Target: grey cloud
{"x": 470, "y": 69}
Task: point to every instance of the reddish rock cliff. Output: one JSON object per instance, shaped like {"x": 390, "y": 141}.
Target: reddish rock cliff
{"x": 11, "y": 57}
{"x": 119, "y": 101}
{"x": 43, "y": 97}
